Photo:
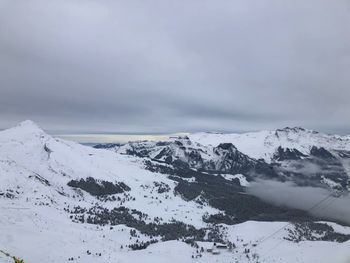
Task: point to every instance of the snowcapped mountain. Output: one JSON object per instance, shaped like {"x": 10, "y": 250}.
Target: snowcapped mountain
{"x": 41, "y": 167}
{"x": 62, "y": 202}
{"x": 182, "y": 152}
{"x": 292, "y": 154}
{"x": 264, "y": 144}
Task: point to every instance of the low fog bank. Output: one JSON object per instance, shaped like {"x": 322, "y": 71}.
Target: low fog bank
{"x": 304, "y": 198}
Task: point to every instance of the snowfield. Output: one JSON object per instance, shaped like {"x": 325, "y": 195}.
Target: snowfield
{"x": 35, "y": 225}
{"x": 39, "y": 235}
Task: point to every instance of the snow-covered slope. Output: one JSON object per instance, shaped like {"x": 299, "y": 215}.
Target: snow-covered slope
{"x": 62, "y": 202}
{"x": 36, "y": 166}
{"x": 263, "y": 144}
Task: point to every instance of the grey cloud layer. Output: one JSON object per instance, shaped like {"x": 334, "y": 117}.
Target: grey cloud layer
{"x": 168, "y": 66}
{"x": 311, "y": 199}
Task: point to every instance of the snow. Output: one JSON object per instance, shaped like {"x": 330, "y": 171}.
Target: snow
{"x": 59, "y": 239}
{"x": 242, "y": 179}
{"x": 330, "y": 183}
{"x": 24, "y": 154}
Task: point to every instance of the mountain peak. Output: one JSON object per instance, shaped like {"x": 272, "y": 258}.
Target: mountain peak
{"x": 24, "y": 129}
{"x": 28, "y": 124}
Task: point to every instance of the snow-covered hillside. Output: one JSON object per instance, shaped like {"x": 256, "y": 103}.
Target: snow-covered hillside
{"x": 63, "y": 202}
{"x": 36, "y": 166}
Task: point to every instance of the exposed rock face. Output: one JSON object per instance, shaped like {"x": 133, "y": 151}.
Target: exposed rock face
{"x": 321, "y": 153}
{"x": 287, "y": 154}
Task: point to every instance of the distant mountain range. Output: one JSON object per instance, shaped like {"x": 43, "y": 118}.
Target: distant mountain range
{"x": 283, "y": 154}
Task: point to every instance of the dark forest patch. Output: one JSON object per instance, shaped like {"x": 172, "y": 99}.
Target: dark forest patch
{"x": 313, "y": 231}
{"x": 99, "y": 188}
{"x": 173, "y": 230}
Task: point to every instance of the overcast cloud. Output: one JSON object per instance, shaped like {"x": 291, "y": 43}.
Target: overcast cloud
{"x": 317, "y": 201}
{"x": 175, "y": 66}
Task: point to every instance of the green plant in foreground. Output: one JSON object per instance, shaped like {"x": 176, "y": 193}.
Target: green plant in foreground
{"x": 18, "y": 260}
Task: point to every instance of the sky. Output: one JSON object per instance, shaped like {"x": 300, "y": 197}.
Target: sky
{"x": 160, "y": 67}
